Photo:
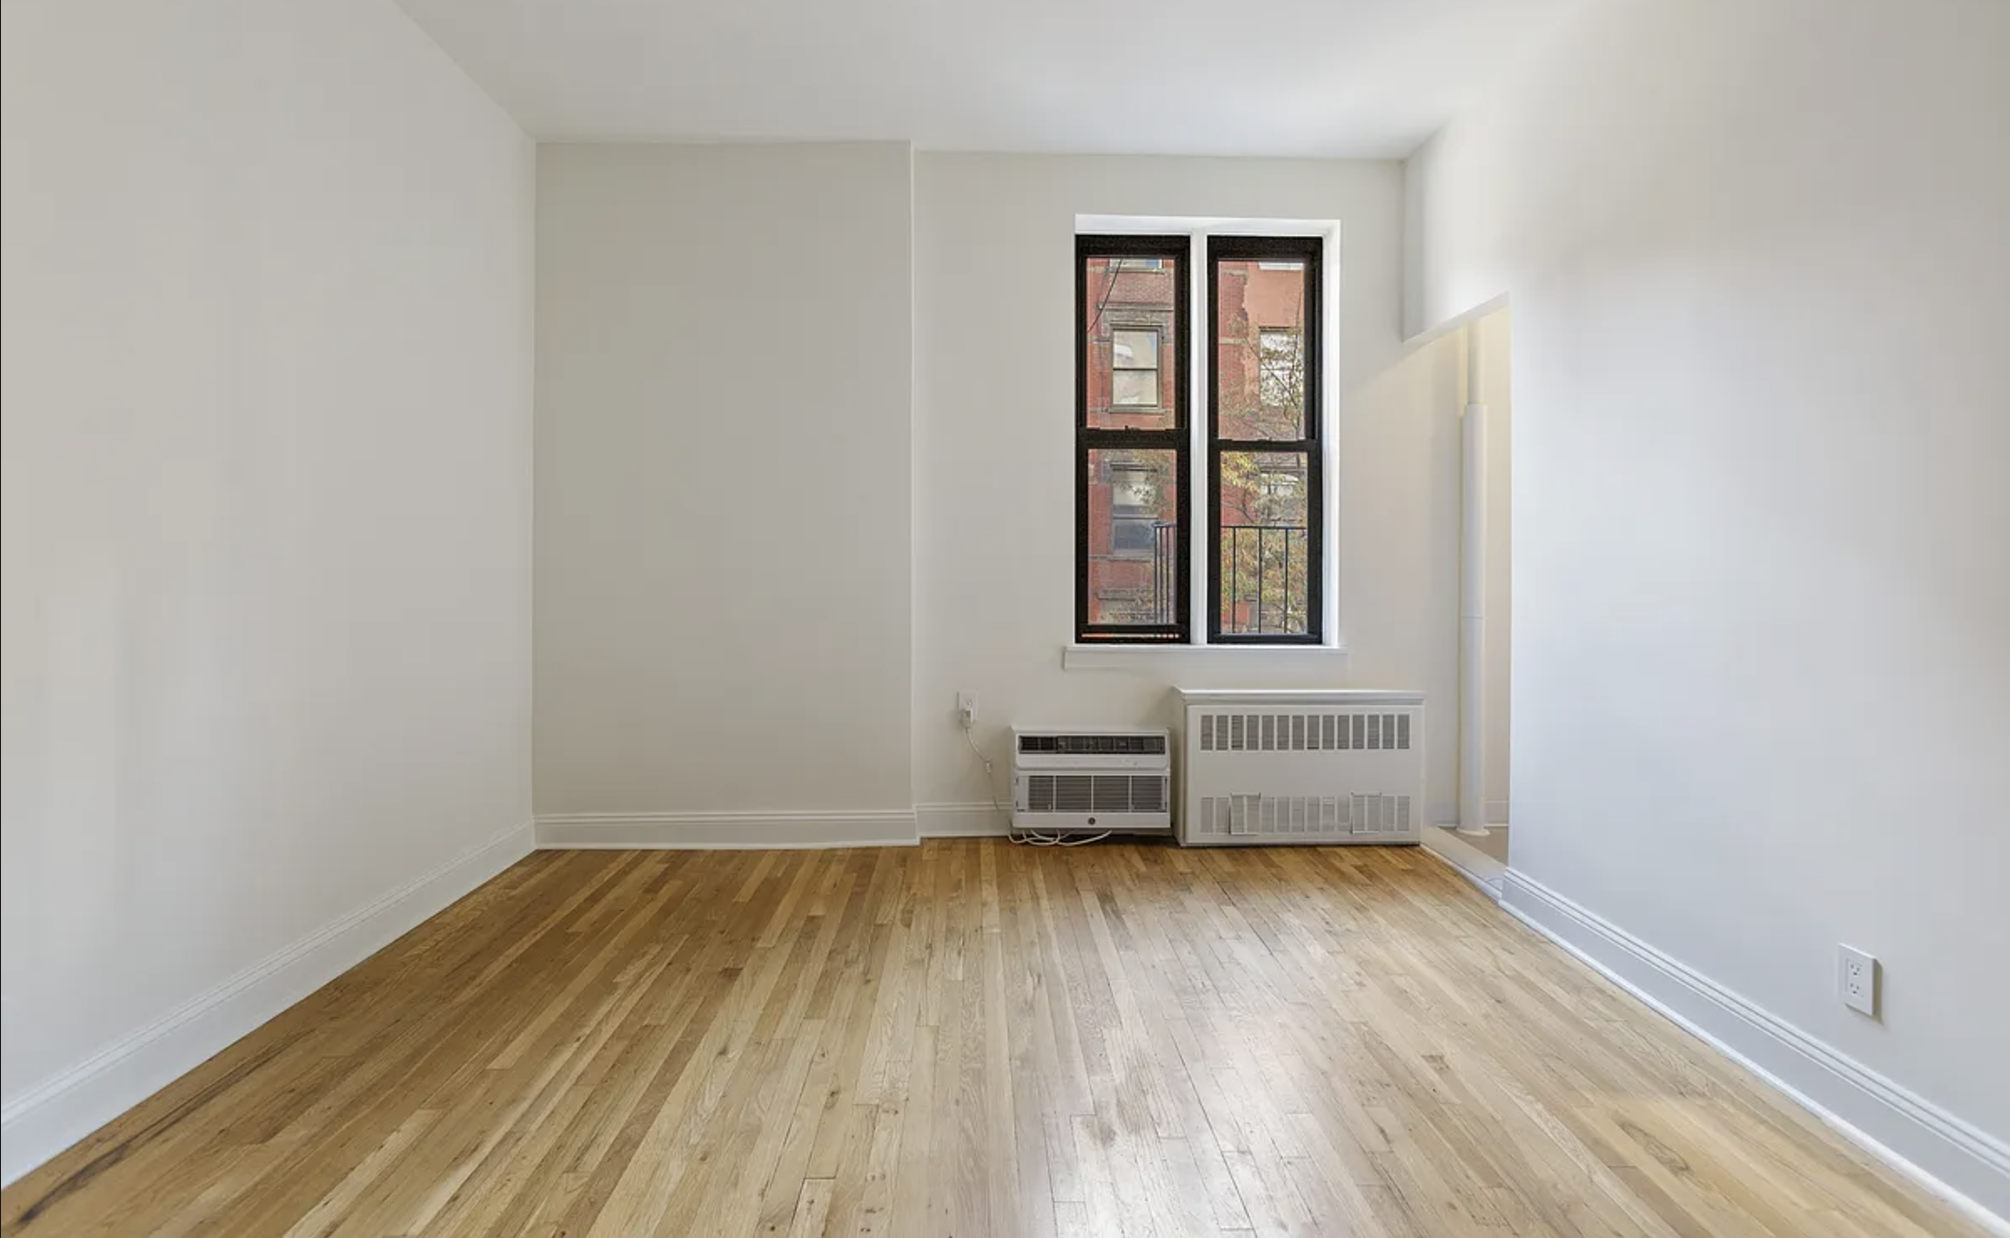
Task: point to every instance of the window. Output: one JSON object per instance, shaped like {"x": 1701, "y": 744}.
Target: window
{"x": 1133, "y": 508}
{"x": 1133, "y": 440}
{"x": 1264, "y": 453}
{"x": 1134, "y": 367}
{"x": 1261, "y": 551}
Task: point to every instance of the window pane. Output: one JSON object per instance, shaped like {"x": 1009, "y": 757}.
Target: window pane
{"x": 1261, "y": 349}
{"x": 1133, "y": 536}
{"x": 1134, "y": 387}
{"x": 1266, "y": 543}
{"x": 1133, "y": 342}
{"x": 1134, "y": 350}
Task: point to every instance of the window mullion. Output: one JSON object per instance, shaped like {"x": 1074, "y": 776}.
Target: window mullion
{"x": 1200, "y": 421}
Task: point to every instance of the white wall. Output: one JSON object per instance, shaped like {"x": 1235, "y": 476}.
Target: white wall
{"x": 723, "y": 433}
{"x": 1757, "y": 256}
{"x": 267, "y": 272}
{"x": 680, "y": 459}
{"x": 994, "y": 455}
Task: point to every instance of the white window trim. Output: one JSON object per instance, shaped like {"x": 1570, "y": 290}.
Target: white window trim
{"x": 1115, "y": 656}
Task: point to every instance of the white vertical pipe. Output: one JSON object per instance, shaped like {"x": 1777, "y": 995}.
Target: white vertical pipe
{"x": 1473, "y": 601}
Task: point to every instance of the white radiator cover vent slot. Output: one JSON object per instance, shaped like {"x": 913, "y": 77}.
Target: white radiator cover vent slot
{"x": 1297, "y": 766}
{"x": 1088, "y": 780}
{"x": 1323, "y": 731}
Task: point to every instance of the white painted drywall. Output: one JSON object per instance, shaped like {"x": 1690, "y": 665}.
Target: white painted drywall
{"x": 1758, "y": 257}
{"x": 267, "y": 273}
{"x": 723, "y": 433}
{"x": 994, "y": 452}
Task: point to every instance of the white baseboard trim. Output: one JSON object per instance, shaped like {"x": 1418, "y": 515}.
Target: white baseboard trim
{"x": 975, "y": 820}
{"x": 1945, "y": 1154}
{"x": 51, "y": 1116}
{"x": 725, "y": 831}
{"x": 1487, "y": 885}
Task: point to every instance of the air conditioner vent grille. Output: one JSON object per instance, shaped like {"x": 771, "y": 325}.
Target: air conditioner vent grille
{"x": 1094, "y": 745}
{"x": 1084, "y": 793}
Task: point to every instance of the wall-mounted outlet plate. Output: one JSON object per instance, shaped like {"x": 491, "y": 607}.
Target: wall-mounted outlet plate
{"x": 1856, "y": 979}
{"x": 966, "y": 707}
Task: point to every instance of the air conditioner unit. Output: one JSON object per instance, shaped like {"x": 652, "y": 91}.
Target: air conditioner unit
{"x": 1301, "y": 766}
{"x": 1081, "y": 781}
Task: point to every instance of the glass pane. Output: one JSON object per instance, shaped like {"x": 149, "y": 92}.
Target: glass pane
{"x": 1134, "y": 350}
{"x": 1134, "y": 387}
{"x": 1266, "y": 543}
{"x": 1133, "y": 342}
{"x": 1133, "y": 536}
{"x": 1261, "y": 349}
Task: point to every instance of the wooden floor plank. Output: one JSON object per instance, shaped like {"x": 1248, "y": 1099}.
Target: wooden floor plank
{"x": 968, "y": 1039}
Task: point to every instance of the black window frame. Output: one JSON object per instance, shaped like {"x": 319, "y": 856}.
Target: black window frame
{"x": 1310, "y": 250}
{"x": 1177, "y": 439}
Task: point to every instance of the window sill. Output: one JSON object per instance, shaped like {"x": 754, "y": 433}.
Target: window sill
{"x": 1253, "y": 657}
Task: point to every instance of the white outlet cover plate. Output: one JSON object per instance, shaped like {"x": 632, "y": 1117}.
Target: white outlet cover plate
{"x": 1856, "y": 979}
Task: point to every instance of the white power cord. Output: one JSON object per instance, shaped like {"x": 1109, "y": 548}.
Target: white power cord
{"x": 1024, "y": 838}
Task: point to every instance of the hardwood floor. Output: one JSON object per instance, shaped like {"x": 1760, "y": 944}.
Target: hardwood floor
{"x": 970, "y": 1038}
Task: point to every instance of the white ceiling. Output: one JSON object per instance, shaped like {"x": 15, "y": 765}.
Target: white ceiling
{"x": 1246, "y": 77}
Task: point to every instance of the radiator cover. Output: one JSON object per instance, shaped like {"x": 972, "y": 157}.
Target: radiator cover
{"x": 1300, "y": 766}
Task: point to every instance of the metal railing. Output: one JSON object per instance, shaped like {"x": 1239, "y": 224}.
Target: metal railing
{"x": 1259, "y": 593}
{"x": 1165, "y": 570}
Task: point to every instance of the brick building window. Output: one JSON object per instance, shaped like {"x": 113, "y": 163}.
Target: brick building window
{"x": 1134, "y": 367}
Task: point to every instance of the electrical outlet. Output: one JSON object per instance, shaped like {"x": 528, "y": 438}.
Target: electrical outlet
{"x": 1856, "y": 977}
{"x": 966, "y": 708}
